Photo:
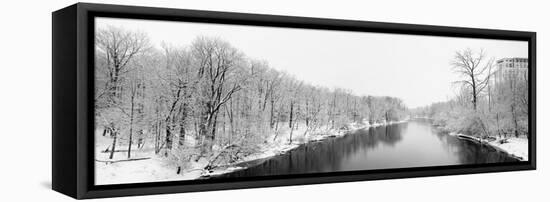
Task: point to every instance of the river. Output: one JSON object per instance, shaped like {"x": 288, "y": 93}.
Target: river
{"x": 411, "y": 144}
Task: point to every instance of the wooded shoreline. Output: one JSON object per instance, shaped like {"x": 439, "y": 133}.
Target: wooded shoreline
{"x": 517, "y": 149}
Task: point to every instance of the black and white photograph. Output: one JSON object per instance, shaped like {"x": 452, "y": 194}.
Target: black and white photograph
{"x": 192, "y": 101}
{"x": 275, "y": 100}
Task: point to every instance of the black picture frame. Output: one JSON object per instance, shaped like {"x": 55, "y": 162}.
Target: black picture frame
{"x": 73, "y": 122}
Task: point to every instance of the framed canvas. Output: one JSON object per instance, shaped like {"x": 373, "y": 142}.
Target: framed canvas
{"x": 157, "y": 100}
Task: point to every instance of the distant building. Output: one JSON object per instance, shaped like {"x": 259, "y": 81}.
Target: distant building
{"x": 511, "y": 68}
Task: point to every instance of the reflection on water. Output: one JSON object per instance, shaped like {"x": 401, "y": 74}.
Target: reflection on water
{"x": 412, "y": 144}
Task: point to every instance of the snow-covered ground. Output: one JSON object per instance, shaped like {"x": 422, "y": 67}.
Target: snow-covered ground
{"x": 151, "y": 168}
{"x": 516, "y": 147}
{"x": 155, "y": 168}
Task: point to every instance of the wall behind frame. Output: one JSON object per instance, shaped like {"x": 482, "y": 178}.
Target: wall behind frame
{"x": 26, "y": 105}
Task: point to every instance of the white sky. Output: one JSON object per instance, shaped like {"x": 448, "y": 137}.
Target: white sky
{"x": 413, "y": 68}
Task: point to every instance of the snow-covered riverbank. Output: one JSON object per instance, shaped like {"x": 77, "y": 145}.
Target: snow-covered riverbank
{"x": 515, "y": 147}
{"x": 156, "y": 168}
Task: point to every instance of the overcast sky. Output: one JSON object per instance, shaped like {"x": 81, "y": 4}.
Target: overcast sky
{"x": 413, "y": 68}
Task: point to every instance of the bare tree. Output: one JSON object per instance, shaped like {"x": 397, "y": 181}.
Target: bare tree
{"x": 115, "y": 49}
{"x": 295, "y": 89}
{"x": 134, "y": 87}
{"x": 178, "y": 85}
{"x": 118, "y": 47}
{"x": 273, "y": 94}
{"x": 475, "y": 75}
{"x": 215, "y": 60}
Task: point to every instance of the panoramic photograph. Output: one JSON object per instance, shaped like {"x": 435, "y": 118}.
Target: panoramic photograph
{"x": 185, "y": 101}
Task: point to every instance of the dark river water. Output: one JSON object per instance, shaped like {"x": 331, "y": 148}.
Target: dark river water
{"x": 411, "y": 144}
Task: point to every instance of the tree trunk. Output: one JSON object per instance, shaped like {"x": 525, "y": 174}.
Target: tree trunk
{"x": 291, "y": 114}
{"x": 498, "y": 125}
{"x": 157, "y": 136}
{"x": 113, "y": 146}
{"x": 291, "y": 131}
{"x": 205, "y": 129}
{"x": 182, "y": 134}
{"x": 131, "y": 126}
{"x": 474, "y": 93}
{"x": 307, "y": 113}
{"x": 212, "y": 134}
{"x": 277, "y": 122}
{"x": 231, "y": 126}
{"x": 182, "y": 124}
{"x": 271, "y": 113}
{"x": 168, "y": 138}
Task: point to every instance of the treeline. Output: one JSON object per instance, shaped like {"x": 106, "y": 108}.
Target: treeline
{"x": 491, "y": 103}
{"x": 191, "y": 100}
